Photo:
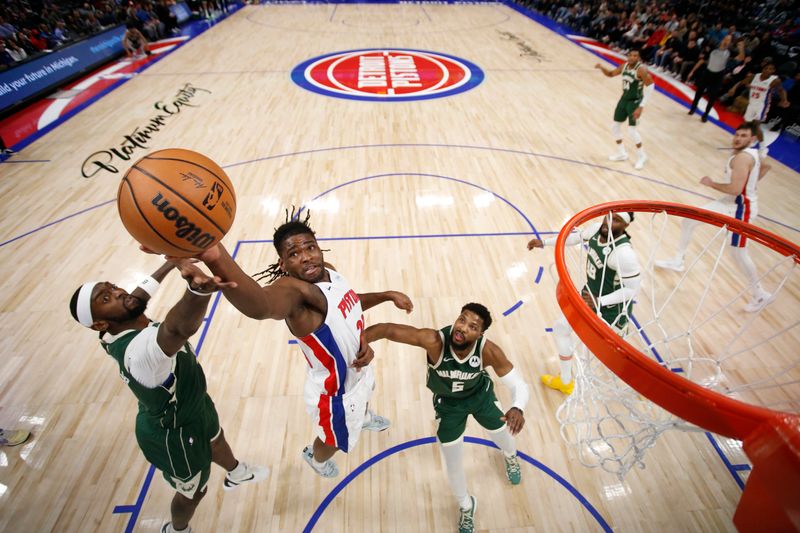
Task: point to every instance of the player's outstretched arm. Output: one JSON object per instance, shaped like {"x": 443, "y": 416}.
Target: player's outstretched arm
{"x": 147, "y": 287}
{"x": 186, "y": 316}
{"x": 428, "y": 339}
{"x": 400, "y": 300}
{"x": 494, "y": 357}
{"x": 609, "y": 72}
{"x": 276, "y": 301}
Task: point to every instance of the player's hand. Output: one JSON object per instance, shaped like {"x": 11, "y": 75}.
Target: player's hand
{"x": 514, "y": 419}
{"x": 211, "y": 254}
{"x": 637, "y": 113}
{"x": 535, "y": 243}
{"x": 401, "y": 301}
{"x": 598, "y": 66}
{"x": 587, "y": 297}
{"x": 705, "y": 180}
{"x": 170, "y": 258}
{"x": 364, "y": 356}
{"x": 200, "y": 281}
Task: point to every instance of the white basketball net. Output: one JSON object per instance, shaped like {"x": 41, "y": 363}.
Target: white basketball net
{"x": 693, "y": 323}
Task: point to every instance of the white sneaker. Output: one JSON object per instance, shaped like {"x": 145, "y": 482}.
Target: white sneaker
{"x": 376, "y": 423}
{"x": 757, "y": 304}
{"x": 640, "y": 161}
{"x": 167, "y": 528}
{"x": 328, "y": 469}
{"x": 618, "y": 157}
{"x": 670, "y": 264}
{"x": 252, "y": 474}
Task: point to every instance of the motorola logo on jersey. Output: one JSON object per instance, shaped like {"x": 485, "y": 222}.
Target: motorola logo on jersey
{"x": 387, "y": 75}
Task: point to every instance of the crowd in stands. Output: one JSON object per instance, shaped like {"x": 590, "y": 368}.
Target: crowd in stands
{"x": 33, "y": 27}
{"x": 676, "y": 37}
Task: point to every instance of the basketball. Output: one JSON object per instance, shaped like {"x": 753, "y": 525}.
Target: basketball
{"x": 176, "y": 202}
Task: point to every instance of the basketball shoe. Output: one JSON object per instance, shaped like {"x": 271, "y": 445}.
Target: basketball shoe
{"x": 513, "y": 472}
{"x": 466, "y": 522}
{"x": 554, "y": 382}
{"x": 328, "y": 468}
{"x": 13, "y": 437}
{"x": 619, "y": 156}
{"x": 376, "y": 423}
{"x": 675, "y": 264}
{"x": 167, "y": 528}
{"x": 640, "y": 161}
{"x": 244, "y": 473}
{"x": 757, "y": 304}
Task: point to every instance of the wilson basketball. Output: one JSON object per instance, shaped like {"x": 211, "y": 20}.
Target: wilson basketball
{"x": 176, "y": 202}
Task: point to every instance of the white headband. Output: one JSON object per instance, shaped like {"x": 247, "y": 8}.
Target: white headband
{"x": 624, "y": 215}
{"x": 84, "y": 306}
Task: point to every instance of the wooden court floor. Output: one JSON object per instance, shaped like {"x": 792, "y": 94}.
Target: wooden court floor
{"x": 436, "y": 198}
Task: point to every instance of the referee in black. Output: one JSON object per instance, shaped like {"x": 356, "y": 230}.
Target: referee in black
{"x": 710, "y": 80}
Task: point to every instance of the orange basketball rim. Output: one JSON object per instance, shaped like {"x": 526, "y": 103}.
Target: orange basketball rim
{"x": 771, "y": 499}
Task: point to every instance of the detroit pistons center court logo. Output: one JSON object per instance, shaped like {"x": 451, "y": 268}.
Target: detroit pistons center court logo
{"x": 387, "y": 75}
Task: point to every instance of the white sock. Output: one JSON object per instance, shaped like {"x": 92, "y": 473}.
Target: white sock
{"x": 687, "y": 228}
{"x": 748, "y": 268}
{"x": 566, "y": 370}
{"x": 621, "y": 149}
{"x": 563, "y": 337}
{"x": 453, "y": 455}
{"x": 466, "y": 504}
{"x": 504, "y": 441}
{"x": 237, "y": 472}
{"x": 640, "y": 152}
{"x": 367, "y": 418}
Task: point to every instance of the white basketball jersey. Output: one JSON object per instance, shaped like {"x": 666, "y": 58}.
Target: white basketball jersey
{"x": 759, "y": 90}
{"x": 749, "y": 190}
{"x": 333, "y": 346}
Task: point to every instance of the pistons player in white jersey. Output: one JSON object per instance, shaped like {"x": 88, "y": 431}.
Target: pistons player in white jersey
{"x": 761, "y": 86}
{"x": 740, "y": 183}
{"x": 325, "y": 315}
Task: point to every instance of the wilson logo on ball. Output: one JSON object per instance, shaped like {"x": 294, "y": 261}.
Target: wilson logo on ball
{"x": 186, "y": 229}
{"x": 387, "y": 75}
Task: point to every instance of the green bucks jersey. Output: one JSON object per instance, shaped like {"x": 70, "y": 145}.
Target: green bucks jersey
{"x": 457, "y": 378}
{"x": 602, "y": 277}
{"x": 632, "y": 87}
{"x": 174, "y": 402}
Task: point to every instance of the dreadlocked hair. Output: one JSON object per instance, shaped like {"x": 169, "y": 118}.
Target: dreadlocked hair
{"x": 291, "y": 227}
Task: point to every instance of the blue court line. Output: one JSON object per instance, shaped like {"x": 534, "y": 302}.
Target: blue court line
{"x": 431, "y": 440}
{"x": 62, "y": 219}
{"x": 539, "y": 273}
{"x": 741, "y": 466}
{"x": 292, "y": 341}
{"x": 549, "y": 330}
{"x": 734, "y": 472}
{"x": 512, "y": 308}
{"x": 425, "y": 175}
{"x": 422, "y": 236}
